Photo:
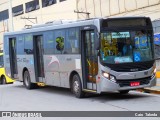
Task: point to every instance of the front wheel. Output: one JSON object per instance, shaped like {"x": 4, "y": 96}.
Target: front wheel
{"x": 27, "y": 81}
{"x": 124, "y": 92}
{"x": 77, "y": 86}
{"x": 3, "y": 80}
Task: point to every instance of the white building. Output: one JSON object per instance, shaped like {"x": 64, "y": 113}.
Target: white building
{"x": 29, "y": 12}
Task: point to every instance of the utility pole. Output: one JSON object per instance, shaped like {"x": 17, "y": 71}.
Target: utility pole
{"x": 87, "y": 13}
{"x": 11, "y": 27}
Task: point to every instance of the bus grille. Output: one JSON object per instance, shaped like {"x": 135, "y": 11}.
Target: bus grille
{"x": 126, "y": 82}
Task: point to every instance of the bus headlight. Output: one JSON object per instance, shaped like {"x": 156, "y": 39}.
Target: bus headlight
{"x": 108, "y": 76}
{"x": 155, "y": 71}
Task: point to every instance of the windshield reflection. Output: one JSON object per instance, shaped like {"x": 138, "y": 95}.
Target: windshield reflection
{"x": 126, "y": 46}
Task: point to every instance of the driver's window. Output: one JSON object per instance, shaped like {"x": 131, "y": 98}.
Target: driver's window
{"x": 116, "y": 47}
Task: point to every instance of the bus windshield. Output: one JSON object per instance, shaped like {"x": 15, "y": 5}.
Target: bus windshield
{"x": 126, "y": 46}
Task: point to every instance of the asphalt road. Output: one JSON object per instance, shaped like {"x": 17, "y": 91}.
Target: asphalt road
{"x": 14, "y": 97}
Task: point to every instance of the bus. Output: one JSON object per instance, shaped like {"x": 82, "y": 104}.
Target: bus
{"x": 4, "y": 79}
{"x": 93, "y": 55}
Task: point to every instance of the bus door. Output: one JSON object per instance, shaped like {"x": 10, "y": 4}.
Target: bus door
{"x": 89, "y": 59}
{"x": 13, "y": 57}
{"x": 38, "y": 57}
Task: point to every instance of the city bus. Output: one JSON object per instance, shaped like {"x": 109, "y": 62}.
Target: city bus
{"x": 93, "y": 55}
{"x": 4, "y": 79}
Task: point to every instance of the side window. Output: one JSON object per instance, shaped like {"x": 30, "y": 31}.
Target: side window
{"x": 90, "y": 46}
{"x": 72, "y": 42}
{"x": 1, "y": 61}
{"x": 18, "y": 10}
{"x": 49, "y": 43}
{"x": 20, "y": 45}
{"x": 4, "y": 15}
{"x": 46, "y": 3}
{"x": 6, "y": 45}
{"x": 61, "y": 0}
{"x": 28, "y": 47}
{"x": 60, "y": 39}
{"x": 32, "y": 5}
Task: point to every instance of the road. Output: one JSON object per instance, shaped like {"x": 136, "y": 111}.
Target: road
{"x": 14, "y": 97}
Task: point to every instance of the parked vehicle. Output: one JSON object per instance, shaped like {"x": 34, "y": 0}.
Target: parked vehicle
{"x": 4, "y": 79}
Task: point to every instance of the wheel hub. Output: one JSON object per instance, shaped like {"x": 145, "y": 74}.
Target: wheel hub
{"x": 26, "y": 80}
{"x": 76, "y": 86}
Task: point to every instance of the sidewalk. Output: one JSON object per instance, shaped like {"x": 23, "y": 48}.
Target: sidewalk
{"x": 155, "y": 89}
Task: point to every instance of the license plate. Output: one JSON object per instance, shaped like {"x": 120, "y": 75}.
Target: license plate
{"x": 134, "y": 83}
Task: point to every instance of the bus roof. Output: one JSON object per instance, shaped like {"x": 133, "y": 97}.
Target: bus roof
{"x": 55, "y": 25}
{"x": 126, "y": 17}
{"x": 66, "y": 24}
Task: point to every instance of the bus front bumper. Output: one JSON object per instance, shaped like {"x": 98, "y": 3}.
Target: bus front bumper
{"x": 110, "y": 86}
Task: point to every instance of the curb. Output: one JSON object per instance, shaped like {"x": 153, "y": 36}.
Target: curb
{"x": 158, "y": 74}
{"x": 149, "y": 90}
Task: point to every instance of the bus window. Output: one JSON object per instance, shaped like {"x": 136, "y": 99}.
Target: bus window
{"x": 72, "y": 42}
{"x": 20, "y": 45}
{"x": 142, "y": 50}
{"x": 60, "y": 39}
{"x": 49, "y": 43}
{"x": 28, "y": 48}
{"x": 125, "y": 47}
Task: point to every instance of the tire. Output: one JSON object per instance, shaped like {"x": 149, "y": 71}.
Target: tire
{"x": 77, "y": 86}
{"x": 124, "y": 92}
{"x": 27, "y": 81}
{"x": 3, "y": 80}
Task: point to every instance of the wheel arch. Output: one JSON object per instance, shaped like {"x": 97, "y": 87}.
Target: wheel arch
{"x": 24, "y": 69}
{"x": 2, "y": 77}
{"x": 71, "y": 77}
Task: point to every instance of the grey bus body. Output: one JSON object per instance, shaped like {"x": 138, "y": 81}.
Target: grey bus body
{"x": 54, "y": 53}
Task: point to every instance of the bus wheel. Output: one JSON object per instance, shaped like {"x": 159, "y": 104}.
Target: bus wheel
{"x": 124, "y": 91}
{"x": 3, "y": 80}
{"x": 77, "y": 86}
{"x": 27, "y": 81}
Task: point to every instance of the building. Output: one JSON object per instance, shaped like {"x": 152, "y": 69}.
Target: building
{"x": 29, "y": 12}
